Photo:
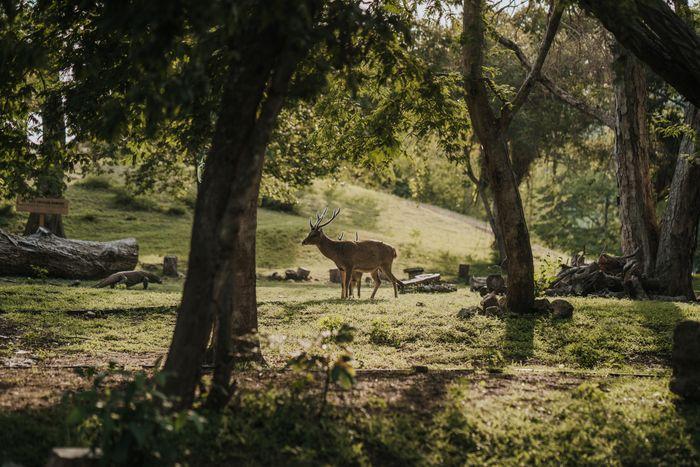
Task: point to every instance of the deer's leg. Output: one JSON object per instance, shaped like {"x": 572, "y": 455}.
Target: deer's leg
{"x": 386, "y": 269}
{"x": 359, "y": 284}
{"x": 377, "y": 281}
{"x": 348, "y": 278}
{"x": 342, "y": 283}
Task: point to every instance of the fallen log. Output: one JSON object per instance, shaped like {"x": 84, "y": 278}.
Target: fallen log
{"x": 61, "y": 257}
{"x": 422, "y": 279}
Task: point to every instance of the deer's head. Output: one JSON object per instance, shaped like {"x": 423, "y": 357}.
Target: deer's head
{"x": 316, "y": 228}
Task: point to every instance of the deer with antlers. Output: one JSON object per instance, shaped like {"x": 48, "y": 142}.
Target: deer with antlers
{"x": 366, "y": 256}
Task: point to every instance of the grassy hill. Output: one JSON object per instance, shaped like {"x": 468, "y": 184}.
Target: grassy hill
{"x": 424, "y": 235}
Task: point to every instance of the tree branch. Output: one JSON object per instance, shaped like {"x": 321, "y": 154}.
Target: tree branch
{"x": 509, "y": 110}
{"x": 593, "y": 111}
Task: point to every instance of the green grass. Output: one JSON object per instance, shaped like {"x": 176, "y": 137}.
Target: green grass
{"x": 392, "y": 333}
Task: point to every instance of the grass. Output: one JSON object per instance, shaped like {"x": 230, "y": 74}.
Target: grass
{"x": 567, "y": 411}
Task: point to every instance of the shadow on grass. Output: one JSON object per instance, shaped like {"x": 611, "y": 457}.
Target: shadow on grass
{"x": 28, "y": 435}
{"x": 519, "y": 336}
{"x": 660, "y": 318}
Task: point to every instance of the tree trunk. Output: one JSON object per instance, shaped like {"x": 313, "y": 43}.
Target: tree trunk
{"x": 632, "y": 146}
{"x": 657, "y": 36}
{"x": 49, "y": 183}
{"x": 679, "y": 227}
{"x": 70, "y": 259}
{"x": 221, "y": 276}
{"x": 510, "y": 217}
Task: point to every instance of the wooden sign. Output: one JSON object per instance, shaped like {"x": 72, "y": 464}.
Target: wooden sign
{"x": 44, "y": 205}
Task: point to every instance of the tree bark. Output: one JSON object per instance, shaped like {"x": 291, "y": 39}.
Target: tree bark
{"x": 490, "y": 130}
{"x": 679, "y": 227}
{"x": 49, "y": 183}
{"x": 657, "y": 36}
{"x": 632, "y": 147}
{"x": 70, "y": 259}
{"x": 221, "y": 276}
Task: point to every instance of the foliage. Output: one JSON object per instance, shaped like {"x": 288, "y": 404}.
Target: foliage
{"x": 131, "y": 422}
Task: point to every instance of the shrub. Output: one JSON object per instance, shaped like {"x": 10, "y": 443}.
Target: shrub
{"x": 133, "y": 423}
{"x": 381, "y": 334}
{"x": 126, "y": 200}
{"x": 95, "y": 183}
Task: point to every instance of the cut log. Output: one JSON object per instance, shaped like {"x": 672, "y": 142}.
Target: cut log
{"x": 334, "y": 276}
{"x": 496, "y": 283}
{"x": 70, "y": 259}
{"x": 170, "y": 266}
{"x": 422, "y": 279}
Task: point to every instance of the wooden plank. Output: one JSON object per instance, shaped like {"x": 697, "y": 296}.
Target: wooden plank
{"x": 43, "y": 205}
{"x": 422, "y": 279}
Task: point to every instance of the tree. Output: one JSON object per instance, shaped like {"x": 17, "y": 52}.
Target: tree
{"x": 490, "y": 130}
{"x": 654, "y": 33}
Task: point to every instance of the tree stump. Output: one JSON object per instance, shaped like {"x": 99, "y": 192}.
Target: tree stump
{"x": 496, "y": 283}
{"x": 413, "y": 272}
{"x": 303, "y": 274}
{"x": 334, "y": 275}
{"x": 170, "y": 266}
{"x": 463, "y": 272}
{"x": 685, "y": 360}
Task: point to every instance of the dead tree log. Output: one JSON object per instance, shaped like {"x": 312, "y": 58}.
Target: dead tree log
{"x": 71, "y": 259}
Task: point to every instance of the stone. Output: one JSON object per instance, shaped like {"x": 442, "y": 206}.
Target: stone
{"x": 489, "y": 300}
{"x": 466, "y": 313}
{"x": 74, "y": 457}
{"x": 170, "y": 266}
{"x": 685, "y": 360}
{"x": 562, "y": 309}
{"x": 542, "y": 305}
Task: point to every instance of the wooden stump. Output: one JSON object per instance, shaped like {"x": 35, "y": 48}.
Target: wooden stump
{"x": 170, "y": 266}
{"x": 413, "y": 272}
{"x": 463, "y": 272}
{"x": 334, "y": 275}
{"x": 70, "y": 259}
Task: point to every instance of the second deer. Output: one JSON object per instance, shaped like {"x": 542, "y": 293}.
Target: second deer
{"x": 356, "y": 279}
{"x": 366, "y": 256}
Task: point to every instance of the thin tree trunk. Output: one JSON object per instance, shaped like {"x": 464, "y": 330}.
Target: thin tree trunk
{"x": 679, "y": 227}
{"x": 510, "y": 217}
{"x": 632, "y": 146}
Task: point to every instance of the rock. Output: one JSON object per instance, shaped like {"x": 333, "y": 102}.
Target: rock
{"x": 466, "y": 313}
{"x": 493, "y": 311}
{"x": 496, "y": 283}
{"x": 542, "y": 305}
{"x": 562, "y": 309}
{"x": 90, "y": 315}
{"x": 74, "y": 457}
{"x": 303, "y": 274}
{"x": 275, "y": 276}
{"x": 489, "y": 300}
{"x": 685, "y": 360}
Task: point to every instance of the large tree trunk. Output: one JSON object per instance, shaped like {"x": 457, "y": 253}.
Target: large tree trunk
{"x": 656, "y": 35}
{"x": 221, "y": 274}
{"x": 510, "y": 217}
{"x": 640, "y": 229}
{"x": 679, "y": 227}
{"x": 71, "y": 259}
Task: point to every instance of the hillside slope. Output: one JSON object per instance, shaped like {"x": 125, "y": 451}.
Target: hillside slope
{"x": 424, "y": 235}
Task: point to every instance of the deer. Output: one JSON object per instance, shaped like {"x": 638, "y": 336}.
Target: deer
{"x": 356, "y": 278}
{"x": 370, "y": 256}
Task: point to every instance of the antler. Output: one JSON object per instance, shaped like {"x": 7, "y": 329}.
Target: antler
{"x": 340, "y": 237}
{"x": 357, "y": 237}
{"x": 319, "y": 219}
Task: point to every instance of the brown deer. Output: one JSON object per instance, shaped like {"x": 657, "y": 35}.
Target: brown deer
{"x": 356, "y": 279}
{"x": 366, "y": 256}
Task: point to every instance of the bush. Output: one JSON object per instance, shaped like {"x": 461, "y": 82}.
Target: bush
{"x": 127, "y": 201}
{"x": 95, "y": 183}
{"x": 133, "y": 423}
{"x": 381, "y": 334}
